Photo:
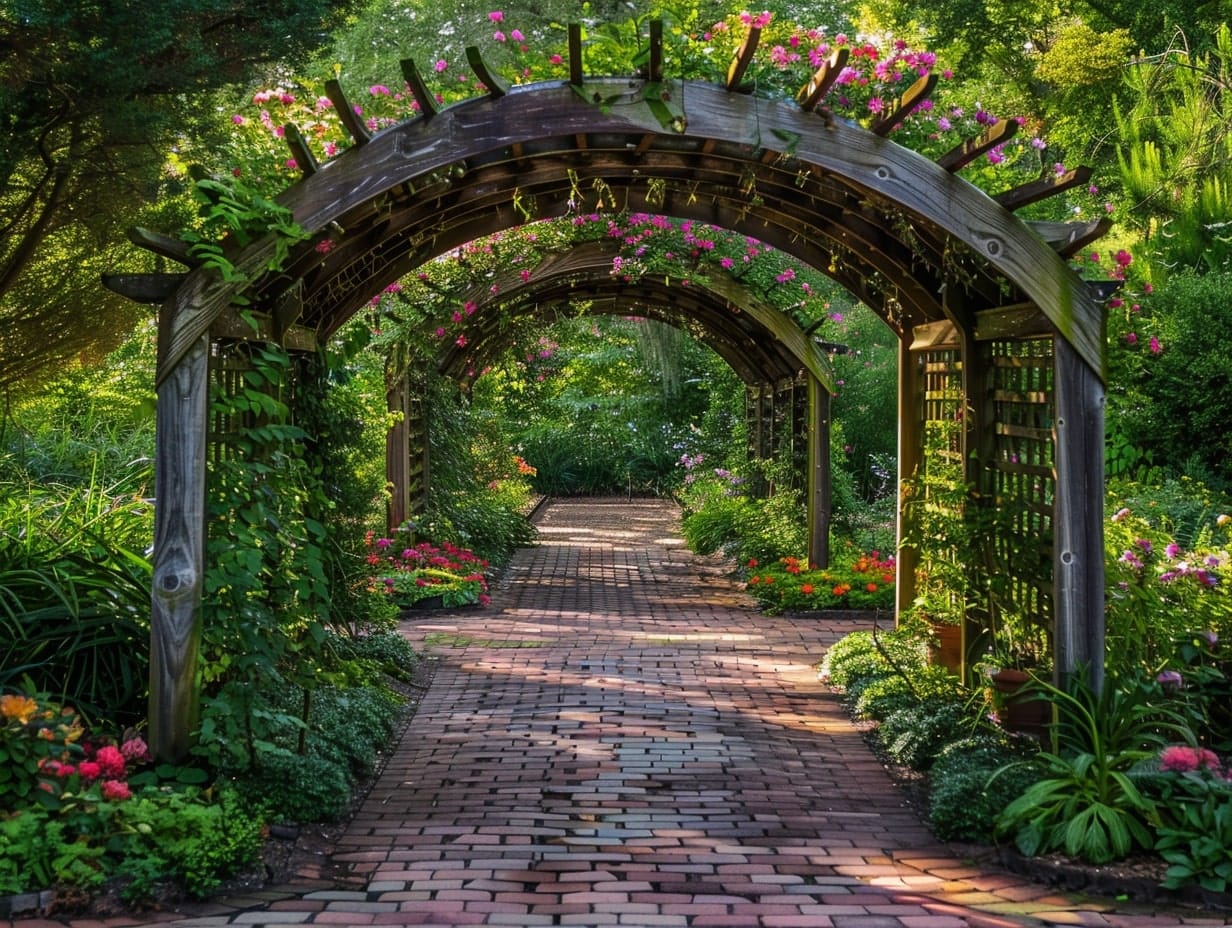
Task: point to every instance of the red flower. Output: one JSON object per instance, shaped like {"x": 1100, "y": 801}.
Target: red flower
{"x": 752, "y": 562}
{"x": 807, "y": 589}
{"x": 110, "y": 761}
{"x": 116, "y": 790}
{"x": 872, "y": 587}
{"x": 89, "y": 770}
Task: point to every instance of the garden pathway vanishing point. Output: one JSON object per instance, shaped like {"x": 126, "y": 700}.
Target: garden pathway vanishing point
{"x": 621, "y": 739}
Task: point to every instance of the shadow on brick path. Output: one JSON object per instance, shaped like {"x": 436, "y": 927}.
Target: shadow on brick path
{"x": 622, "y": 739}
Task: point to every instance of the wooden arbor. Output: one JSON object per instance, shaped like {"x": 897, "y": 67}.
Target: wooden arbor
{"x": 995, "y": 328}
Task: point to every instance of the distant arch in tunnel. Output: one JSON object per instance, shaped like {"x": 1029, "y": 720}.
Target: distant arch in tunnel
{"x": 952, "y": 270}
{"x": 766, "y": 348}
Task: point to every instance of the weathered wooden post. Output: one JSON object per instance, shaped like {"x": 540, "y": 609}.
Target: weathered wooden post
{"x": 179, "y": 551}
{"x": 1078, "y": 551}
{"x": 819, "y": 473}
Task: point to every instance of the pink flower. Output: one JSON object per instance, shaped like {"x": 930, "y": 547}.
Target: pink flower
{"x": 110, "y": 761}
{"x": 496, "y": 16}
{"x": 498, "y": 36}
{"x": 1183, "y": 759}
{"x": 325, "y": 246}
{"x": 89, "y": 770}
{"x": 116, "y": 790}
{"x": 135, "y": 750}
{"x": 516, "y": 35}
{"x": 441, "y": 65}
{"x": 1155, "y": 346}
{"x": 556, "y": 59}
{"x": 237, "y": 119}
{"x": 460, "y": 341}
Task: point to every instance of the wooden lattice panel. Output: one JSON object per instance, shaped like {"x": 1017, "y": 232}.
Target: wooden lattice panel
{"x": 1023, "y": 484}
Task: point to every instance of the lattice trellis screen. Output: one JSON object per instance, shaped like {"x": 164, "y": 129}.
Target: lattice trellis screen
{"x": 1022, "y": 478}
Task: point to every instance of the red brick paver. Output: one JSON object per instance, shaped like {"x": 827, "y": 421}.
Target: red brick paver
{"x": 621, "y": 739}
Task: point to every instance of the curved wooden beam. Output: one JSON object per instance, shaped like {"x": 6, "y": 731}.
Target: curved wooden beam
{"x": 894, "y": 181}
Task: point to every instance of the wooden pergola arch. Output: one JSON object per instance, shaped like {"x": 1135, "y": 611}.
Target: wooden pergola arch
{"x": 781, "y": 365}
{"x": 995, "y": 328}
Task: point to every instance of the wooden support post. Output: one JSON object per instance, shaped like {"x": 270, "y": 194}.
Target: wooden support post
{"x": 397, "y": 453}
{"x": 179, "y": 552}
{"x": 1078, "y": 552}
{"x": 910, "y": 452}
{"x": 819, "y": 488}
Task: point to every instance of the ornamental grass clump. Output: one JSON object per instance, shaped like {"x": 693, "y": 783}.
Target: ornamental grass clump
{"x": 414, "y": 572}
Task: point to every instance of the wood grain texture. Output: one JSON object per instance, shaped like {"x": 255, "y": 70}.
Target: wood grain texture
{"x": 179, "y": 552}
{"x": 1078, "y": 552}
{"x": 820, "y": 484}
{"x": 895, "y": 181}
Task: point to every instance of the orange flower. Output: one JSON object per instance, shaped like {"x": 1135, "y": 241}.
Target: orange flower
{"x": 14, "y": 706}
{"x": 872, "y": 587}
{"x": 807, "y": 589}
{"x": 842, "y": 589}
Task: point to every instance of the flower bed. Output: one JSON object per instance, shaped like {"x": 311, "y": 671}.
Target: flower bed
{"x": 865, "y": 581}
{"x": 417, "y": 573}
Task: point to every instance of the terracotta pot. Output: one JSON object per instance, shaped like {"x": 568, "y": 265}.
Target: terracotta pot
{"x": 1028, "y": 712}
{"x": 948, "y": 652}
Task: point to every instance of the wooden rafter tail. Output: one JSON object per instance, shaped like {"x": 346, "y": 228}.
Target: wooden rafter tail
{"x": 300, "y": 151}
{"x": 495, "y": 86}
{"x": 419, "y": 90}
{"x": 1043, "y": 188}
{"x": 346, "y": 113}
{"x": 654, "y": 67}
{"x": 823, "y": 79}
{"x": 901, "y": 108}
{"x": 743, "y": 58}
{"x": 575, "y": 54}
{"x": 960, "y": 156}
{"x": 1068, "y": 238}
{"x": 144, "y": 288}
{"x": 163, "y": 245}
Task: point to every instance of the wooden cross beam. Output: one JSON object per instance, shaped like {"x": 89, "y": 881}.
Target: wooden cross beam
{"x": 901, "y": 108}
{"x": 419, "y": 90}
{"x": 346, "y": 113}
{"x": 823, "y": 79}
{"x": 495, "y": 86}
{"x": 300, "y": 151}
{"x": 743, "y": 58}
{"x": 962, "y": 155}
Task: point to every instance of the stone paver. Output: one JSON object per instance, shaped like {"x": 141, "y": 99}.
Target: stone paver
{"x": 621, "y": 739}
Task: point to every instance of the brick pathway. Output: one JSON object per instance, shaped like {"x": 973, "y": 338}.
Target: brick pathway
{"x": 621, "y": 739}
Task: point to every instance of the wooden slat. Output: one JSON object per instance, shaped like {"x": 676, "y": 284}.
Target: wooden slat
{"x": 163, "y": 245}
{"x": 743, "y": 58}
{"x": 419, "y": 90}
{"x": 230, "y": 325}
{"x": 1011, "y": 322}
{"x": 654, "y": 69}
{"x": 932, "y": 334}
{"x": 300, "y": 151}
{"x": 1068, "y": 238}
{"x": 495, "y": 86}
{"x": 962, "y": 155}
{"x": 823, "y": 79}
{"x": 144, "y": 288}
{"x": 1041, "y": 189}
{"x": 346, "y": 113}
{"x": 576, "y": 71}
{"x": 901, "y": 108}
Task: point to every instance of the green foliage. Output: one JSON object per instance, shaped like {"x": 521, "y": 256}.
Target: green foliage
{"x": 1086, "y": 801}
{"x": 1173, "y": 376}
{"x": 964, "y": 798}
{"x": 33, "y": 731}
{"x": 914, "y": 735}
{"x": 1195, "y": 834}
{"x": 1157, "y": 588}
{"x": 191, "y": 837}
{"x": 74, "y": 594}
{"x": 93, "y": 97}
{"x": 857, "y": 581}
{"x": 298, "y": 787}
{"x": 1174, "y": 153}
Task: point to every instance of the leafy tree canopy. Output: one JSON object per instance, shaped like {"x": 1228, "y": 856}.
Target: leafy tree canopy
{"x": 92, "y": 97}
